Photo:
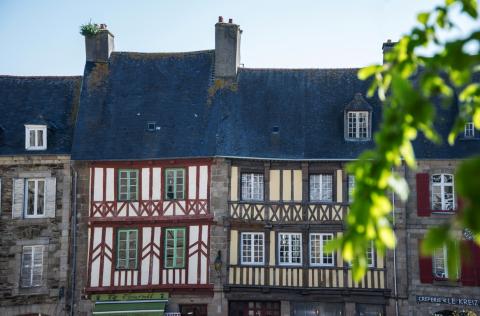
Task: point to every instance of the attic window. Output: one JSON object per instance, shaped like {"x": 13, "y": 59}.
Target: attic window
{"x": 151, "y": 126}
{"x": 275, "y": 129}
{"x": 469, "y": 130}
{"x": 358, "y": 125}
{"x": 35, "y": 137}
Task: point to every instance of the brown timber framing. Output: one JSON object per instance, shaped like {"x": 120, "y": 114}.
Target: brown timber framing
{"x": 285, "y": 282}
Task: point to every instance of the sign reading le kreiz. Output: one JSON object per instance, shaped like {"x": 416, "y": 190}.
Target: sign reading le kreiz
{"x": 448, "y": 300}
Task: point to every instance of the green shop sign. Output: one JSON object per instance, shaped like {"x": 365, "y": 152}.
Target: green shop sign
{"x": 130, "y": 296}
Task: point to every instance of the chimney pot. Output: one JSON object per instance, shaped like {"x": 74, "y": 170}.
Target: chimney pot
{"x": 230, "y": 20}
{"x": 220, "y": 19}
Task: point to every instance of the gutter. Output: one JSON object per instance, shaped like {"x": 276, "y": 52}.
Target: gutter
{"x": 74, "y": 241}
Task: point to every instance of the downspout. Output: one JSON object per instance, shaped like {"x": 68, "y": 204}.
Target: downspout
{"x": 395, "y": 286}
{"x": 74, "y": 242}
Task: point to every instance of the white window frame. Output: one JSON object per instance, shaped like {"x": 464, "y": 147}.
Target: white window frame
{"x": 35, "y": 198}
{"x": 252, "y": 250}
{"x": 350, "y": 187}
{"x": 440, "y": 257}
{"x": 31, "y": 265}
{"x": 317, "y": 184}
{"x": 354, "y": 128}
{"x": 253, "y": 186}
{"x": 36, "y": 129}
{"x": 320, "y": 237}
{"x": 469, "y": 130}
{"x": 370, "y": 254}
{"x": 289, "y": 261}
{"x": 443, "y": 184}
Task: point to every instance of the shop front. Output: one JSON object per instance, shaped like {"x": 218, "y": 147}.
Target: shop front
{"x": 126, "y": 304}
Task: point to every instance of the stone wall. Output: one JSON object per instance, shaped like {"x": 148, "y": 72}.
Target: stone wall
{"x": 82, "y": 306}
{"x": 51, "y": 297}
{"x": 416, "y": 228}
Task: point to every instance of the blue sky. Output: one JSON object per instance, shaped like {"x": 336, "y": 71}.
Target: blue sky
{"x": 42, "y": 37}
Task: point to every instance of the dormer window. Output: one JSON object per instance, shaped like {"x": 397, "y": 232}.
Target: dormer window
{"x": 35, "y": 137}
{"x": 358, "y": 117}
{"x": 358, "y": 125}
{"x": 469, "y": 130}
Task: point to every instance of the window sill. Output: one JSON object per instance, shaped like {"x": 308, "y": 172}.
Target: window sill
{"x": 252, "y": 265}
{"x": 126, "y": 269}
{"x": 440, "y": 212}
{"x": 37, "y": 290}
{"x": 446, "y": 282}
{"x": 173, "y": 268}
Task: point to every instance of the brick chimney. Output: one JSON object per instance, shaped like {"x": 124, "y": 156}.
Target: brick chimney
{"x": 227, "y": 49}
{"x": 387, "y": 47}
{"x": 98, "y": 47}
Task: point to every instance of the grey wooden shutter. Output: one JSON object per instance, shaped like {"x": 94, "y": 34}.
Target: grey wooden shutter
{"x": 18, "y": 198}
{"x": 50, "y": 196}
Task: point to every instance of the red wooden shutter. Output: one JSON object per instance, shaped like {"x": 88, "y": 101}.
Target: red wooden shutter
{"x": 459, "y": 204}
{"x": 425, "y": 266}
{"x": 468, "y": 273}
{"x": 423, "y": 194}
{"x": 476, "y": 261}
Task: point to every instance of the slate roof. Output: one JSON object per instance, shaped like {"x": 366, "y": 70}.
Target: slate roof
{"x": 51, "y": 101}
{"x": 293, "y": 114}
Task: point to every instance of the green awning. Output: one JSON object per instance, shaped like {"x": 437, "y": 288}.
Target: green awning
{"x": 127, "y": 308}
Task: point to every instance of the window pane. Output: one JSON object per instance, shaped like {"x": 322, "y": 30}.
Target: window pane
{"x": 351, "y": 187}
{"x": 40, "y": 196}
{"x": 31, "y": 197}
{"x": 40, "y": 138}
{"x": 32, "y": 138}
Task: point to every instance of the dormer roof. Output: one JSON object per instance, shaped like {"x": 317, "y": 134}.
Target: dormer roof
{"x": 358, "y": 104}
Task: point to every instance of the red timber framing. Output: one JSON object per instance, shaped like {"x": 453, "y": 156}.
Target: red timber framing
{"x": 150, "y": 215}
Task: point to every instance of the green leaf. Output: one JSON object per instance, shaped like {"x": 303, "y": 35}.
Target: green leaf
{"x": 423, "y": 17}
{"x": 367, "y": 72}
{"x": 399, "y": 185}
{"x": 470, "y": 7}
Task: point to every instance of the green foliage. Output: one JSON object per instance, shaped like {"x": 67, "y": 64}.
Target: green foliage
{"x": 89, "y": 29}
{"x": 406, "y": 84}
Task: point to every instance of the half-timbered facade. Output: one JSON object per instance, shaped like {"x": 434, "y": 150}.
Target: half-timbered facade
{"x": 149, "y": 227}
{"x": 36, "y": 127}
{"x": 277, "y": 240}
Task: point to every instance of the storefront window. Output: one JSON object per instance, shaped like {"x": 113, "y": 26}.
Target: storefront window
{"x": 316, "y": 309}
{"x": 370, "y": 310}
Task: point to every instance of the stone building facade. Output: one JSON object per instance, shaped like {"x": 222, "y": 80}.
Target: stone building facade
{"x": 431, "y": 289}
{"x": 37, "y": 120}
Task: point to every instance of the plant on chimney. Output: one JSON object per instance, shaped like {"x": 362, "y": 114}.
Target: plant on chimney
{"x": 89, "y": 29}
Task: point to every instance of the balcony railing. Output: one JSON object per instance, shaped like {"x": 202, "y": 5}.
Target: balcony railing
{"x": 285, "y": 212}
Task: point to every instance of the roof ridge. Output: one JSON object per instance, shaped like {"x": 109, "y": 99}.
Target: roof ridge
{"x": 39, "y": 77}
{"x": 297, "y": 69}
{"x": 165, "y": 53}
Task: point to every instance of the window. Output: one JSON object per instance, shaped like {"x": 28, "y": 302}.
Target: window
{"x": 252, "y": 186}
{"x": 371, "y": 255}
{"x": 252, "y": 248}
{"x": 175, "y": 184}
{"x": 318, "y": 254}
{"x": 290, "y": 248}
{"x": 321, "y": 187}
{"x": 35, "y": 198}
{"x": 127, "y": 185}
{"x": 351, "y": 186}
{"x": 442, "y": 192}
{"x": 440, "y": 266}
{"x": 127, "y": 249}
{"x": 31, "y": 274}
{"x": 358, "y": 125}
{"x": 174, "y": 247}
{"x": 469, "y": 130}
{"x": 35, "y": 137}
